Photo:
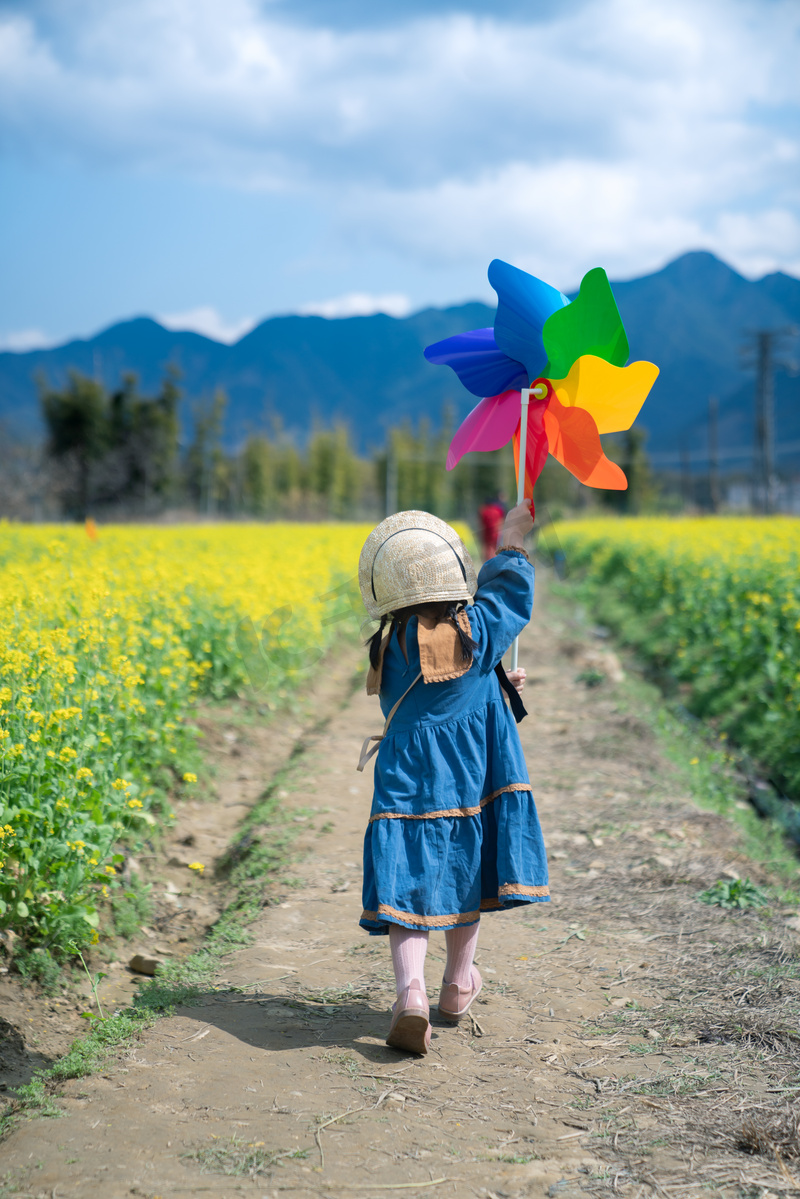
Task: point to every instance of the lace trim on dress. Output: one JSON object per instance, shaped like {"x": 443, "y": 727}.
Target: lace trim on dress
{"x": 519, "y": 889}
{"x": 502, "y": 791}
{"x": 507, "y": 890}
{"x": 425, "y": 815}
{"x": 426, "y": 921}
{"x": 440, "y": 812}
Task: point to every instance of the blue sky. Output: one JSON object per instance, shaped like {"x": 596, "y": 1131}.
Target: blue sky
{"x": 212, "y": 162}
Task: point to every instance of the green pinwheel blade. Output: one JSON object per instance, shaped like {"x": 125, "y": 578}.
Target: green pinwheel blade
{"x": 591, "y": 324}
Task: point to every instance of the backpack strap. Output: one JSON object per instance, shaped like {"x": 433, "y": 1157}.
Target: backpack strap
{"x": 514, "y": 698}
{"x": 367, "y": 754}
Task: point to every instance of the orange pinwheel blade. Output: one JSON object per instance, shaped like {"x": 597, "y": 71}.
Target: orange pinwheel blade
{"x": 575, "y": 441}
{"x": 612, "y": 395}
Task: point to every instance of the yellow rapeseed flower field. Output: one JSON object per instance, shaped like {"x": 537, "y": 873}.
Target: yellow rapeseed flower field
{"x": 104, "y": 645}
{"x": 714, "y": 602}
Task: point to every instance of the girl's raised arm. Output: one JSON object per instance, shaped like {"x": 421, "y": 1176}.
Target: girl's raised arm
{"x": 504, "y": 598}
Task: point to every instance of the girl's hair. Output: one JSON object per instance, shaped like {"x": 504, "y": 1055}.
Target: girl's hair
{"x": 442, "y": 611}
{"x": 374, "y": 643}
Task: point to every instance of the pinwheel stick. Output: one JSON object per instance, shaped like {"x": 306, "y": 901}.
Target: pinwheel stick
{"x": 525, "y": 395}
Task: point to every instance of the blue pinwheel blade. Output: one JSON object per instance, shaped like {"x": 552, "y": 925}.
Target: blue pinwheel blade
{"x": 523, "y": 305}
{"x": 480, "y": 365}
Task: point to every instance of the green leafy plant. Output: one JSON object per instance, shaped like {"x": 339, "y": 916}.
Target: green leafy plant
{"x": 94, "y": 983}
{"x": 37, "y": 965}
{"x": 734, "y": 893}
{"x": 714, "y": 606}
{"x": 131, "y": 907}
{"x": 106, "y": 641}
{"x": 592, "y": 678}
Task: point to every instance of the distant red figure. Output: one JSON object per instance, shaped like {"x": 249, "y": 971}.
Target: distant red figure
{"x": 491, "y": 515}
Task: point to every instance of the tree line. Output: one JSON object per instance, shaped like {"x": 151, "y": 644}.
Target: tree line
{"x": 127, "y": 452}
{"x": 121, "y": 454}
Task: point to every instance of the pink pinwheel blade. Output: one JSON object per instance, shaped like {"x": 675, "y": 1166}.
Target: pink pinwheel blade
{"x": 490, "y": 425}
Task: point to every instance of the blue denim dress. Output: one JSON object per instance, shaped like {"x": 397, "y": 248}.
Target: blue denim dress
{"x": 453, "y": 830}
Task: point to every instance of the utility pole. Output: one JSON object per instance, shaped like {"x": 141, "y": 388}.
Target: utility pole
{"x": 713, "y": 452}
{"x": 763, "y": 346}
{"x": 686, "y": 474}
{"x": 764, "y": 456}
{"x": 391, "y": 477}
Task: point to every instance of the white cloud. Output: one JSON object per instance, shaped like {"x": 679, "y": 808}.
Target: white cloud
{"x": 220, "y": 87}
{"x": 207, "y": 320}
{"x": 24, "y": 340}
{"x": 560, "y": 221}
{"x": 358, "y": 303}
{"x": 760, "y": 242}
{"x": 620, "y": 131}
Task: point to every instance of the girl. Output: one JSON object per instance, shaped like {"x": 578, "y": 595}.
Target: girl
{"x": 453, "y": 830}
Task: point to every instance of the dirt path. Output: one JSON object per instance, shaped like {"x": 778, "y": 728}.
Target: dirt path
{"x": 626, "y": 1040}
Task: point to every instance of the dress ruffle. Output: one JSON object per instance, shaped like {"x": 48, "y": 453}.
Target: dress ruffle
{"x": 441, "y": 870}
{"x": 469, "y": 756}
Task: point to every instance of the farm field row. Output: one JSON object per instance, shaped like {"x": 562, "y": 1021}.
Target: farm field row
{"x": 105, "y": 644}
{"x": 713, "y": 604}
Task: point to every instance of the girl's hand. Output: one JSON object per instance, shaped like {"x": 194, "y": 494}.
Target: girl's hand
{"x": 517, "y": 678}
{"x": 518, "y": 522}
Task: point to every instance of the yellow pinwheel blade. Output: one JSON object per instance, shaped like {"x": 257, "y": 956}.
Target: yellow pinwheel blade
{"x": 612, "y": 394}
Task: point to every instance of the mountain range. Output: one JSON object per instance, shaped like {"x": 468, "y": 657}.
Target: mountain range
{"x": 692, "y": 318}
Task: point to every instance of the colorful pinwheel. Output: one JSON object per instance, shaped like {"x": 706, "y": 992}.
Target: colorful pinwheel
{"x": 570, "y": 356}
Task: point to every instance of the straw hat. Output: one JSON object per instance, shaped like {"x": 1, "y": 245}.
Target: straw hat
{"x": 413, "y": 558}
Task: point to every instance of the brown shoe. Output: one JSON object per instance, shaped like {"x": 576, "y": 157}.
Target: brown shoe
{"x": 455, "y": 1001}
{"x": 410, "y": 1028}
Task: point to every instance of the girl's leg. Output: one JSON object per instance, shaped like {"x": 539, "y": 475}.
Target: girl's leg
{"x": 462, "y": 982}
{"x": 408, "y": 947}
{"x": 410, "y": 1028}
{"x": 461, "y": 944}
